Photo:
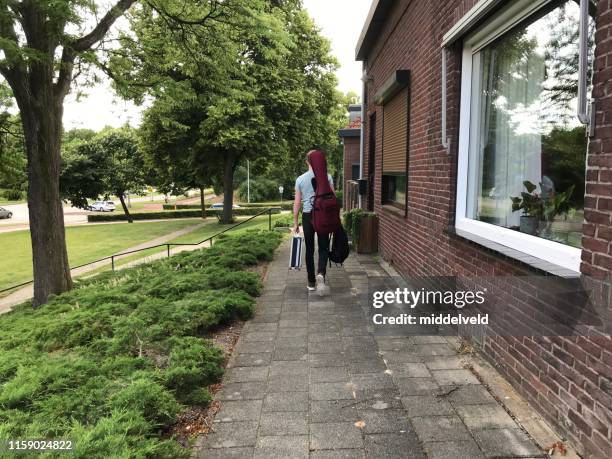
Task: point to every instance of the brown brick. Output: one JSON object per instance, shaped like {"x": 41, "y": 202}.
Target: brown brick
{"x": 589, "y": 346}
{"x": 579, "y": 422}
{"x": 563, "y": 356}
{"x": 581, "y": 396}
{"x": 601, "y": 442}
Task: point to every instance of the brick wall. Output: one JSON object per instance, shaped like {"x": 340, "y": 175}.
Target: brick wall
{"x": 351, "y": 157}
{"x": 568, "y": 379}
{"x": 597, "y": 253}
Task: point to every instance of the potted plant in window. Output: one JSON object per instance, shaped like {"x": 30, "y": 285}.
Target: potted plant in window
{"x": 537, "y": 209}
{"x": 532, "y": 205}
{"x": 362, "y": 227}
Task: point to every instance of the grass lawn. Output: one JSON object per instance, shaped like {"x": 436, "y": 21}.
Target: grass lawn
{"x": 210, "y": 230}
{"x": 213, "y": 227}
{"x": 4, "y": 202}
{"x": 85, "y": 243}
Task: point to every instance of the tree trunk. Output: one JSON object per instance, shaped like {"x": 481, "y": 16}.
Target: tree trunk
{"x": 41, "y": 116}
{"x": 202, "y": 202}
{"x": 228, "y": 188}
{"x": 40, "y": 100}
{"x": 125, "y": 209}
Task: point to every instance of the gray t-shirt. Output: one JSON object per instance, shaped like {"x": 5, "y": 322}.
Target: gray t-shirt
{"x": 303, "y": 184}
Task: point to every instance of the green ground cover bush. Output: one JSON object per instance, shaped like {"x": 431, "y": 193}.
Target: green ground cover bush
{"x": 111, "y": 363}
{"x": 116, "y": 216}
{"x": 285, "y": 221}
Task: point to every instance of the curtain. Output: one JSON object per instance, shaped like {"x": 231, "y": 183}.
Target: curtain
{"x": 511, "y": 138}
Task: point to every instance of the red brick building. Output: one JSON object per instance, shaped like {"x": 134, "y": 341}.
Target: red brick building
{"x": 351, "y": 137}
{"x": 442, "y": 172}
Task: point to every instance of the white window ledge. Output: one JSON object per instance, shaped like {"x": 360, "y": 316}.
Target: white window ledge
{"x": 550, "y": 267}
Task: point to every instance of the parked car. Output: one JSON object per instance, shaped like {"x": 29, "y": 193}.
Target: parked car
{"x": 5, "y": 213}
{"x": 219, "y": 205}
{"x": 103, "y": 206}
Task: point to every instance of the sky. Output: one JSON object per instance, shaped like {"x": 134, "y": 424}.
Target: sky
{"x": 340, "y": 21}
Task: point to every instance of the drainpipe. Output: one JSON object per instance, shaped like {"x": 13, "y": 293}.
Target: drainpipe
{"x": 362, "y": 134}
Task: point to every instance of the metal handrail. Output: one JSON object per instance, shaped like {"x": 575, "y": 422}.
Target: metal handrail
{"x": 168, "y": 245}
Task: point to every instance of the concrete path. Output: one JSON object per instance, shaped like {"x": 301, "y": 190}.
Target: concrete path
{"x": 308, "y": 379}
{"x": 24, "y": 294}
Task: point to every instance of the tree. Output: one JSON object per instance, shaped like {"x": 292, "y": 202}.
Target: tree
{"x": 109, "y": 164}
{"x": 276, "y": 96}
{"x": 82, "y": 175}
{"x": 13, "y": 175}
{"x": 126, "y": 171}
{"x": 168, "y": 138}
{"x": 204, "y": 112}
{"x": 562, "y": 57}
{"x": 563, "y": 161}
{"x": 40, "y": 52}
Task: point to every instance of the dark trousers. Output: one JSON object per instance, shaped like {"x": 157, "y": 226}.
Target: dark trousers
{"x": 323, "y": 243}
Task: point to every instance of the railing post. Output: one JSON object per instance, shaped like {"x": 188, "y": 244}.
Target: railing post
{"x": 113, "y": 262}
{"x": 211, "y": 241}
{"x": 168, "y": 247}
{"x": 269, "y": 219}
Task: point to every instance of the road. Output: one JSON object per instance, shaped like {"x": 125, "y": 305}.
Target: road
{"x": 72, "y": 215}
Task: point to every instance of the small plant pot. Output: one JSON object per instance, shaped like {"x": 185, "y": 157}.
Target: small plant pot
{"x": 529, "y": 225}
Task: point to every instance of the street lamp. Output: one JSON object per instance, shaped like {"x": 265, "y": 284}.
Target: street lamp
{"x": 280, "y": 190}
{"x": 248, "y": 182}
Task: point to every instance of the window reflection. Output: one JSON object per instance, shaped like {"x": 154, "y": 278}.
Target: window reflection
{"x": 531, "y": 147}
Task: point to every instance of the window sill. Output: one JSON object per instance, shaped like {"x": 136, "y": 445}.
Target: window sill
{"x": 394, "y": 210}
{"x": 517, "y": 255}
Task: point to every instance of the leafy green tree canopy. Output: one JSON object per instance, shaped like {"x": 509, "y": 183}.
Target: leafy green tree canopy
{"x": 108, "y": 164}
{"x": 269, "y": 94}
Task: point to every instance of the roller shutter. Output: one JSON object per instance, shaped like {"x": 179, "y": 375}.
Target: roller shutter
{"x": 395, "y": 134}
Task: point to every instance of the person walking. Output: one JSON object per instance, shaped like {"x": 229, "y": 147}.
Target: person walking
{"x": 304, "y": 196}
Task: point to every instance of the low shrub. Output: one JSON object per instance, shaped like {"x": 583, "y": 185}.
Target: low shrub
{"x": 182, "y": 207}
{"x": 171, "y": 214}
{"x": 111, "y": 363}
{"x": 260, "y": 189}
{"x": 286, "y": 221}
{"x": 285, "y": 205}
{"x": 340, "y": 196}
{"x": 12, "y": 195}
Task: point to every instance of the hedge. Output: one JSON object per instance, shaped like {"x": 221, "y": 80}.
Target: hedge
{"x": 173, "y": 214}
{"x": 113, "y": 363}
{"x": 286, "y": 205}
{"x": 182, "y": 206}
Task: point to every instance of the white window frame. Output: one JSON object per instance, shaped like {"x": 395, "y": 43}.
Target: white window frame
{"x": 553, "y": 252}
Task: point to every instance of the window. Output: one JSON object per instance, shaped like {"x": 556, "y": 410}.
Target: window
{"x": 395, "y": 150}
{"x": 521, "y": 175}
{"x": 355, "y": 172}
{"x": 394, "y": 190}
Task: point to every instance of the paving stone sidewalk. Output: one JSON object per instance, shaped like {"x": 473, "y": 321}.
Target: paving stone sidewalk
{"x": 308, "y": 379}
